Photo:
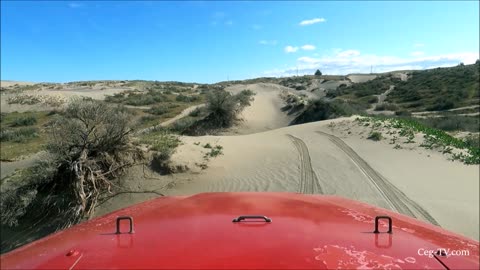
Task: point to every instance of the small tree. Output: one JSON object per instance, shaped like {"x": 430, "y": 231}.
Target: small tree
{"x": 318, "y": 73}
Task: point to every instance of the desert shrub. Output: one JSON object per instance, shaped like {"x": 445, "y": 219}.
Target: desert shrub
{"x": 134, "y": 98}
{"x": 163, "y": 144}
{"x": 90, "y": 142}
{"x": 472, "y": 140}
{"x": 183, "y": 124}
{"x": 184, "y": 98}
{"x": 403, "y": 113}
{"x": 323, "y": 110}
{"x": 375, "y": 136}
{"x": 197, "y": 112}
{"x": 214, "y": 151}
{"x": 223, "y": 107}
{"x": 18, "y": 135}
{"x": 147, "y": 118}
{"x": 441, "y": 104}
{"x": 372, "y": 99}
{"x": 2, "y": 116}
{"x": 386, "y": 107}
{"x": 158, "y": 110}
{"x": 453, "y": 122}
{"x": 221, "y": 111}
{"x": 24, "y": 121}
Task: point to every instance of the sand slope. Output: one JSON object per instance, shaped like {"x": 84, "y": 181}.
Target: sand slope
{"x": 305, "y": 159}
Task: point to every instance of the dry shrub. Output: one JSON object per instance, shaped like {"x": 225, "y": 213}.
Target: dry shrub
{"x": 91, "y": 145}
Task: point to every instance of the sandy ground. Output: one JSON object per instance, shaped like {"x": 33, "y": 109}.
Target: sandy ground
{"x": 328, "y": 157}
{"x": 7, "y": 168}
{"x": 359, "y": 78}
{"x": 12, "y": 83}
{"x": 265, "y": 114}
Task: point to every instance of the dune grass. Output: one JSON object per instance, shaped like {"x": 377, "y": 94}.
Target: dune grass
{"x": 22, "y": 134}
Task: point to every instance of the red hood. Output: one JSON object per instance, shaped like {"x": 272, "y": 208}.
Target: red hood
{"x": 306, "y": 232}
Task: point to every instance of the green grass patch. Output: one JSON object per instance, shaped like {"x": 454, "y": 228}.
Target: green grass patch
{"x": 20, "y": 135}
{"x": 433, "y": 137}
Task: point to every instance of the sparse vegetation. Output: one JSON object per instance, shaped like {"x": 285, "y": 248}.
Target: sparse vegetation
{"x": 183, "y": 98}
{"x": 24, "y": 121}
{"x": 433, "y": 138}
{"x": 438, "y": 89}
{"x": 222, "y": 110}
{"x": 375, "y": 136}
{"x": 163, "y": 143}
{"x": 322, "y": 110}
{"x": 19, "y": 135}
{"x": 89, "y": 147}
{"x": 214, "y": 151}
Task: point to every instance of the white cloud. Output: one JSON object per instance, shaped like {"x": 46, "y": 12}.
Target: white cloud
{"x": 343, "y": 62}
{"x": 418, "y": 45}
{"x": 312, "y": 21}
{"x": 268, "y": 42}
{"x": 347, "y": 53}
{"x": 291, "y": 49}
{"x": 417, "y": 53}
{"x": 308, "y": 47}
{"x": 309, "y": 60}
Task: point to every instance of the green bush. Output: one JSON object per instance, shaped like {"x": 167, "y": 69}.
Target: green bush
{"x": 24, "y": 121}
{"x": 184, "y": 98}
{"x": 472, "y": 140}
{"x": 164, "y": 145}
{"x": 195, "y": 113}
{"x": 18, "y": 135}
{"x": 375, "y": 136}
{"x": 158, "y": 110}
{"x": 183, "y": 124}
{"x": 386, "y": 107}
{"x": 322, "y": 110}
{"x": 372, "y": 99}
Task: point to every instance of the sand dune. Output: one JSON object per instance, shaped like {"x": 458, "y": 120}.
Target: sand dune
{"x": 6, "y": 83}
{"x": 265, "y": 114}
{"x": 304, "y": 159}
{"x": 327, "y": 157}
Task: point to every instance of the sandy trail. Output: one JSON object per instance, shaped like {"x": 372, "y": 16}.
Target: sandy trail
{"x": 395, "y": 198}
{"x": 381, "y": 100}
{"x": 451, "y": 110}
{"x": 265, "y": 113}
{"x": 170, "y": 121}
{"x": 309, "y": 183}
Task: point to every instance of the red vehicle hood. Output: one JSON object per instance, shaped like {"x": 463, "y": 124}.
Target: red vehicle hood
{"x": 305, "y": 232}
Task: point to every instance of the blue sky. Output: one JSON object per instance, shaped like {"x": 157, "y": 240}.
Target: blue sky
{"x": 208, "y": 41}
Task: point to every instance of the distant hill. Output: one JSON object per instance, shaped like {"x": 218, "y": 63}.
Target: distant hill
{"x": 438, "y": 89}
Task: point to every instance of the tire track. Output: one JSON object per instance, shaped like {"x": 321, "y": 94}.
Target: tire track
{"x": 308, "y": 179}
{"x": 394, "y": 196}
